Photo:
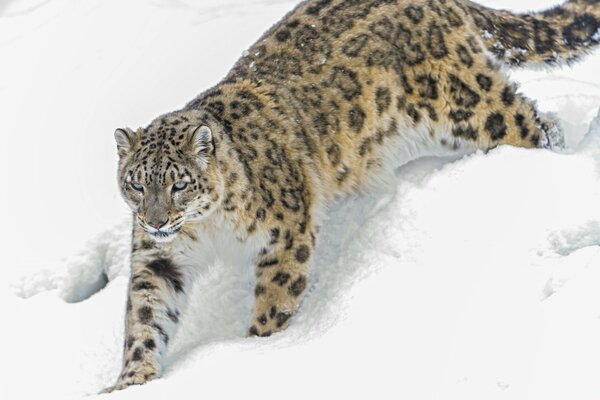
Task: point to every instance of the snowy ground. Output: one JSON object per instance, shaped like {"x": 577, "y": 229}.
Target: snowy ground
{"x": 472, "y": 279}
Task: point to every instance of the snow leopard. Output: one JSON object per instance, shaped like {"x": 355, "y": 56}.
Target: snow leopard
{"x": 324, "y": 105}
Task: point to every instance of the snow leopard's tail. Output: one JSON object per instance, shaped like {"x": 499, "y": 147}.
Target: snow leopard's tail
{"x": 556, "y": 36}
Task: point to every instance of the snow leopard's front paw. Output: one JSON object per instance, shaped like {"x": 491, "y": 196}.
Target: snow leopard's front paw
{"x": 129, "y": 377}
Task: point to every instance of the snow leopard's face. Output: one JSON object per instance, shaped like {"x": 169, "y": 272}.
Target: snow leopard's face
{"x": 168, "y": 175}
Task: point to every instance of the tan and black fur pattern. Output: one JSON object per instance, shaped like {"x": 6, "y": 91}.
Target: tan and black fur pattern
{"x": 327, "y": 101}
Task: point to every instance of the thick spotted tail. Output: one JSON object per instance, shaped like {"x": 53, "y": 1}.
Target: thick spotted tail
{"x": 556, "y": 36}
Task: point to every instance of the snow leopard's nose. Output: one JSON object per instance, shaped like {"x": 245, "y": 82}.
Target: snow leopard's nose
{"x": 157, "y": 224}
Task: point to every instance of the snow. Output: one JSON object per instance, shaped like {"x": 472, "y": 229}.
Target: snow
{"x": 475, "y": 278}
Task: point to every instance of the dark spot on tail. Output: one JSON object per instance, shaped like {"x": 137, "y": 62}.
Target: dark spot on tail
{"x": 544, "y": 36}
{"x": 582, "y": 32}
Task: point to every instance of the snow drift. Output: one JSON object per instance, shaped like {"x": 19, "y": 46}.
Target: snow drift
{"x": 475, "y": 278}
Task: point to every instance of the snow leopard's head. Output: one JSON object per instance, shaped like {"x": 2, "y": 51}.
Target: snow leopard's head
{"x": 168, "y": 174}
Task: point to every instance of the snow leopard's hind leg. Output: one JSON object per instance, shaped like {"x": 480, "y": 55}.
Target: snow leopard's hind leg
{"x": 483, "y": 107}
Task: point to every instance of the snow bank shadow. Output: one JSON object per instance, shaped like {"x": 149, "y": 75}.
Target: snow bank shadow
{"x": 345, "y": 245}
{"x": 569, "y": 241}
{"x": 79, "y": 277}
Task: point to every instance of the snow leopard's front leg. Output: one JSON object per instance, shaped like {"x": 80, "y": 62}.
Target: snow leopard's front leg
{"x": 155, "y": 299}
{"x": 282, "y": 277}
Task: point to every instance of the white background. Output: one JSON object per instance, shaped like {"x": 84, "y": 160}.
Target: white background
{"x": 476, "y": 279}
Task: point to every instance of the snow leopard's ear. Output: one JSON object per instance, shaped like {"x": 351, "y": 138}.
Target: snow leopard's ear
{"x": 125, "y": 139}
{"x": 202, "y": 144}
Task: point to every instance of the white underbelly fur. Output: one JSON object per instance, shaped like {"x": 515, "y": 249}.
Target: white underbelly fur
{"x": 414, "y": 142}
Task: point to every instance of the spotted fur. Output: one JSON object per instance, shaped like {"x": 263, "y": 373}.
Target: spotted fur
{"x": 327, "y": 101}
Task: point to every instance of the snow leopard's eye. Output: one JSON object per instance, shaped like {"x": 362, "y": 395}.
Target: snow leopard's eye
{"x": 179, "y": 186}
{"x": 137, "y": 186}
